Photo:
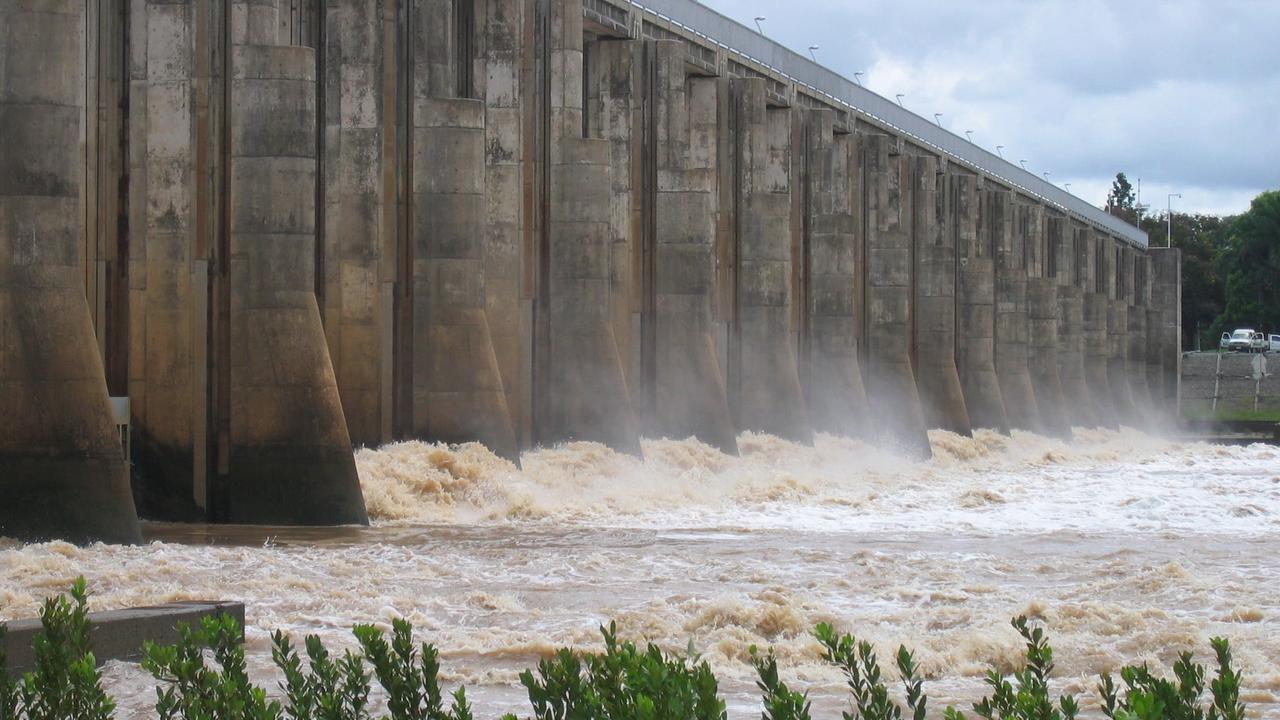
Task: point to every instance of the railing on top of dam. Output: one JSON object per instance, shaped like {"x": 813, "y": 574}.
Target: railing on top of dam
{"x": 742, "y": 40}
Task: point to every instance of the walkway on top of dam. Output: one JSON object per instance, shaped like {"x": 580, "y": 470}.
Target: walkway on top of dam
{"x": 710, "y": 33}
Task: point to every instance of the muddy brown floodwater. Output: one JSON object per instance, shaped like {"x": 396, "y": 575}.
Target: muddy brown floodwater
{"x": 1128, "y": 547}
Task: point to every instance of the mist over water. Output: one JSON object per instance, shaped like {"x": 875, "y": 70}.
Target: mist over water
{"x": 1129, "y": 547}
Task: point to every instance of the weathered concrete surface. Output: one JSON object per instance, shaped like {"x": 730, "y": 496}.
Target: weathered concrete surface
{"x": 164, "y": 284}
{"x": 764, "y": 387}
{"x": 62, "y": 472}
{"x": 976, "y": 292}
{"x": 496, "y": 221}
{"x": 1117, "y": 282}
{"x": 1013, "y": 226}
{"x": 359, "y": 221}
{"x": 1047, "y": 259}
{"x": 1166, "y": 331}
{"x": 834, "y": 391}
{"x": 933, "y": 230}
{"x": 1138, "y": 298}
{"x": 689, "y": 394}
{"x": 290, "y": 455}
{"x": 1073, "y": 259}
{"x": 1097, "y": 305}
{"x": 458, "y": 395}
{"x": 120, "y": 634}
{"x": 891, "y": 380}
{"x": 581, "y": 374}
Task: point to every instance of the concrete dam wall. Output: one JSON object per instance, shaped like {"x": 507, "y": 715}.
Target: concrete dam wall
{"x": 282, "y": 228}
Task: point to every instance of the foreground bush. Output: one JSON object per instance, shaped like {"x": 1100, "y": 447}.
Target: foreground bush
{"x": 203, "y": 677}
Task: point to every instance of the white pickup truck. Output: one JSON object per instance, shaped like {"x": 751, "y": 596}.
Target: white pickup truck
{"x": 1247, "y": 340}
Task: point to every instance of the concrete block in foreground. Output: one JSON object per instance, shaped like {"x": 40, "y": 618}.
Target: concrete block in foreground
{"x": 119, "y": 634}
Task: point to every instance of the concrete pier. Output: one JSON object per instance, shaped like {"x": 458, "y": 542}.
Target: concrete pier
{"x": 1074, "y": 256}
{"x": 679, "y": 363}
{"x": 891, "y": 386}
{"x": 290, "y": 459}
{"x": 1014, "y": 226}
{"x": 934, "y": 237}
{"x": 1046, "y": 259}
{"x": 764, "y": 382}
{"x": 1097, "y": 321}
{"x": 62, "y": 472}
{"x": 832, "y": 258}
{"x": 979, "y": 217}
{"x": 284, "y": 229}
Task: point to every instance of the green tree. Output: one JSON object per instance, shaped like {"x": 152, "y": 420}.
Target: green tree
{"x": 1250, "y": 264}
{"x": 1122, "y": 201}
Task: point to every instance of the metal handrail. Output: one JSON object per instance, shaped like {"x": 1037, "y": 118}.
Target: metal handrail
{"x": 737, "y": 38}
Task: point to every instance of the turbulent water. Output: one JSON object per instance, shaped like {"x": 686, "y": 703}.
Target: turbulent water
{"x": 1128, "y": 547}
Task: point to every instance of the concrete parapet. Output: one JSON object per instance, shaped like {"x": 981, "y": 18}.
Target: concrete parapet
{"x": 62, "y": 471}
{"x": 120, "y": 634}
{"x": 835, "y": 394}
{"x": 976, "y": 293}
{"x": 938, "y": 380}
{"x": 891, "y": 380}
{"x": 290, "y": 456}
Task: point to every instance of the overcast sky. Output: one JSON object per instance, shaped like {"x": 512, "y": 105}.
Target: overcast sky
{"x": 1184, "y": 94}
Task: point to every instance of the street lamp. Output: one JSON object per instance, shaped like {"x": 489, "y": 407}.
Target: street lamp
{"x": 969, "y": 134}
{"x": 900, "y": 96}
{"x": 937, "y": 117}
{"x": 1067, "y": 186}
{"x": 998, "y": 149}
{"x": 760, "y": 19}
{"x": 857, "y": 77}
{"x": 1046, "y": 175}
{"x": 1023, "y": 163}
{"x": 811, "y": 49}
{"x": 1168, "y": 238}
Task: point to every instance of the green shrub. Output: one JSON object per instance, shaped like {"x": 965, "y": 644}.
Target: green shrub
{"x": 198, "y": 692}
{"x": 862, "y": 671}
{"x": 330, "y": 691}
{"x": 780, "y": 702}
{"x": 65, "y": 682}
{"x": 1027, "y": 698}
{"x": 411, "y": 681}
{"x": 1147, "y": 697}
{"x": 623, "y": 682}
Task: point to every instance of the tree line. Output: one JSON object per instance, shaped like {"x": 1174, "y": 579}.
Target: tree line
{"x": 1230, "y": 264}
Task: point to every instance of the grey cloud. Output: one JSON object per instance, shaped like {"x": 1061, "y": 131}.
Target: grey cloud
{"x": 1182, "y": 92}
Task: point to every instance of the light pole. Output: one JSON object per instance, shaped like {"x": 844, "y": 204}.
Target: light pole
{"x": 1046, "y": 175}
{"x": 969, "y": 134}
{"x": 1067, "y": 186}
{"x": 937, "y": 117}
{"x": 900, "y": 96}
{"x": 998, "y": 149}
{"x": 857, "y": 77}
{"x": 760, "y": 19}
{"x": 1168, "y": 237}
{"x": 811, "y": 49}
{"x": 1023, "y": 163}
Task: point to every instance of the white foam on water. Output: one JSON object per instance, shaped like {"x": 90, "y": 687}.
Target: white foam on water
{"x": 1129, "y": 548}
